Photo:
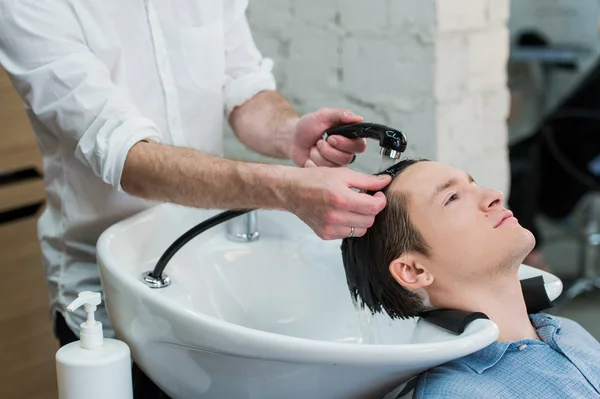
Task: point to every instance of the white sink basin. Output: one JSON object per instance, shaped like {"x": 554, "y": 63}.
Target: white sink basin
{"x": 267, "y": 319}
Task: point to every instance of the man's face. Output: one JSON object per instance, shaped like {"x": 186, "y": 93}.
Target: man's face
{"x": 469, "y": 232}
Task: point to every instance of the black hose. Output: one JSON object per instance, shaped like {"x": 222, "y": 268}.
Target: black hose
{"x": 189, "y": 235}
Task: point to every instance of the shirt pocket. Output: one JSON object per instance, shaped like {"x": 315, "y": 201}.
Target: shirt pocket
{"x": 203, "y": 50}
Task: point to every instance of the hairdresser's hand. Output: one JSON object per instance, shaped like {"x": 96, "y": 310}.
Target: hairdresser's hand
{"x": 323, "y": 198}
{"x": 308, "y": 148}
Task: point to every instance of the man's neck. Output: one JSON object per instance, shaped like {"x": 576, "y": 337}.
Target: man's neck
{"x": 502, "y": 301}
{"x": 504, "y": 304}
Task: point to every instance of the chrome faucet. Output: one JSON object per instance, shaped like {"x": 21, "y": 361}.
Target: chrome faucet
{"x": 243, "y": 228}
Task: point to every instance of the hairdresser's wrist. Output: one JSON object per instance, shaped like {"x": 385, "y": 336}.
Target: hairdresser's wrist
{"x": 284, "y": 136}
{"x": 287, "y": 187}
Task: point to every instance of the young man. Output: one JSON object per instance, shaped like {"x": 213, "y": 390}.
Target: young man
{"x": 444, "y": 242}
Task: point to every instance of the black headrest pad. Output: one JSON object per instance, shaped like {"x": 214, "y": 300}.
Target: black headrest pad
{"x": 455, "y": 321}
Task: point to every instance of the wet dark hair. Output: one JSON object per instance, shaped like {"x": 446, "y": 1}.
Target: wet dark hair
{"x": 367, "y": 258}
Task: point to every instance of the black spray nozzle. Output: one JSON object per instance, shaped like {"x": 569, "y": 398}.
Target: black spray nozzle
{"x": 392, "y": 141}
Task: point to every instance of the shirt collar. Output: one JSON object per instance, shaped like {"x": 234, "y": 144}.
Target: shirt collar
{"x": 541, "y": 320}
{"x": 486, "y": 357}
{"x": 491, "y": 354}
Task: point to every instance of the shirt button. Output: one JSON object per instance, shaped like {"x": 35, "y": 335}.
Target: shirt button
{"x": 522, "y": 347}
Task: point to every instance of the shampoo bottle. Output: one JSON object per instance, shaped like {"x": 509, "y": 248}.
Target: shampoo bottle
{"x": 93, "y": 367}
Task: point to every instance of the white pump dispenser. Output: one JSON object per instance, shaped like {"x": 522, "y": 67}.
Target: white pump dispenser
{"x": 93, "y": 367}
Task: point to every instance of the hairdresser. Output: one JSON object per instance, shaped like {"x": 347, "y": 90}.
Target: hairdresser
{"x": 128, "y": 104}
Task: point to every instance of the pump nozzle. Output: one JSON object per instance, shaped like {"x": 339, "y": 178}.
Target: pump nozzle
{"x": 91, "y": 330}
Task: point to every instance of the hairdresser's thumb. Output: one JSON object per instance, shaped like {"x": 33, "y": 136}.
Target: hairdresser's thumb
{"x": 369, "y": 182}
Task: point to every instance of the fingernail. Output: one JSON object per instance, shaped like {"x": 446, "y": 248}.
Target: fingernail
{"x": 333, "y": 141}
{"x": 383, "y": 177}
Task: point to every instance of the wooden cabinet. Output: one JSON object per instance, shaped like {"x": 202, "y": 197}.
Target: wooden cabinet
{"x": 17, "y": 143}
{"x": 27, "y": 344}
{"x": 21, "y": 184}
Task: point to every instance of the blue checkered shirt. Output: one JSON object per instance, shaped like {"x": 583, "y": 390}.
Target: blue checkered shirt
{"x": 564, "y": 364}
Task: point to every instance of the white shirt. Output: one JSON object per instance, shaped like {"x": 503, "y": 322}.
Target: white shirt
{"x": 96, "y": 77}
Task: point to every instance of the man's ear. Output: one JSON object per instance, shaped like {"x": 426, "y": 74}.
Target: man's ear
{"x": 409, "y": 273}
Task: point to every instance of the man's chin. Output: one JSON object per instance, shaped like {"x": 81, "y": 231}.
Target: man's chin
{"x": 525, "y": 246}
{"x": 529, "y": 240}
{"x": 520, "y": 247}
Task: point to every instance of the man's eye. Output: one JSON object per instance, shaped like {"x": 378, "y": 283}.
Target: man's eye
{"x": 454, "y": 197}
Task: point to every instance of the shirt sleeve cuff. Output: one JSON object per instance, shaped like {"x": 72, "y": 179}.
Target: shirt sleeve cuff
{"x": 104, "y": 150}
{"x": 239, "y": 90}
{"x": 116, "y": 171}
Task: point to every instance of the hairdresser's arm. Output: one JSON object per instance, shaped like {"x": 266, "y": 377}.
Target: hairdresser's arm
{"x": 321, "y": 197}
{"x": 268, "y": 124}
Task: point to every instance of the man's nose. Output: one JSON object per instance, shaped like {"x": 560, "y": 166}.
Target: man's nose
{"x": 492, "y": 199}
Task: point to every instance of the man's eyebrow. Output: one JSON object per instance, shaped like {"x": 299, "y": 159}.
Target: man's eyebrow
{"x": 449, "y": 183}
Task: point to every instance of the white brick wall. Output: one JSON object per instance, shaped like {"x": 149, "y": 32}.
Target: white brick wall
{"x": 364, "y": 17}
{"x": 498, "y": 12}
{"x": 461, "y": 15}
{"x": 470, "y": 88}
{"x": 432, "y": 68}
{"x": 313, "y": 64}
{"x": 307, "y": 14}
{"x": 413, "y": 18}
{"x": 271, "y": 16}
{"x": 488, "y": 55}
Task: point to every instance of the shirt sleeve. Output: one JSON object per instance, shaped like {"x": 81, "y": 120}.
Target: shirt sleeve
{"x": 67, "y": 88}
{"x": 247, "y": 71}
